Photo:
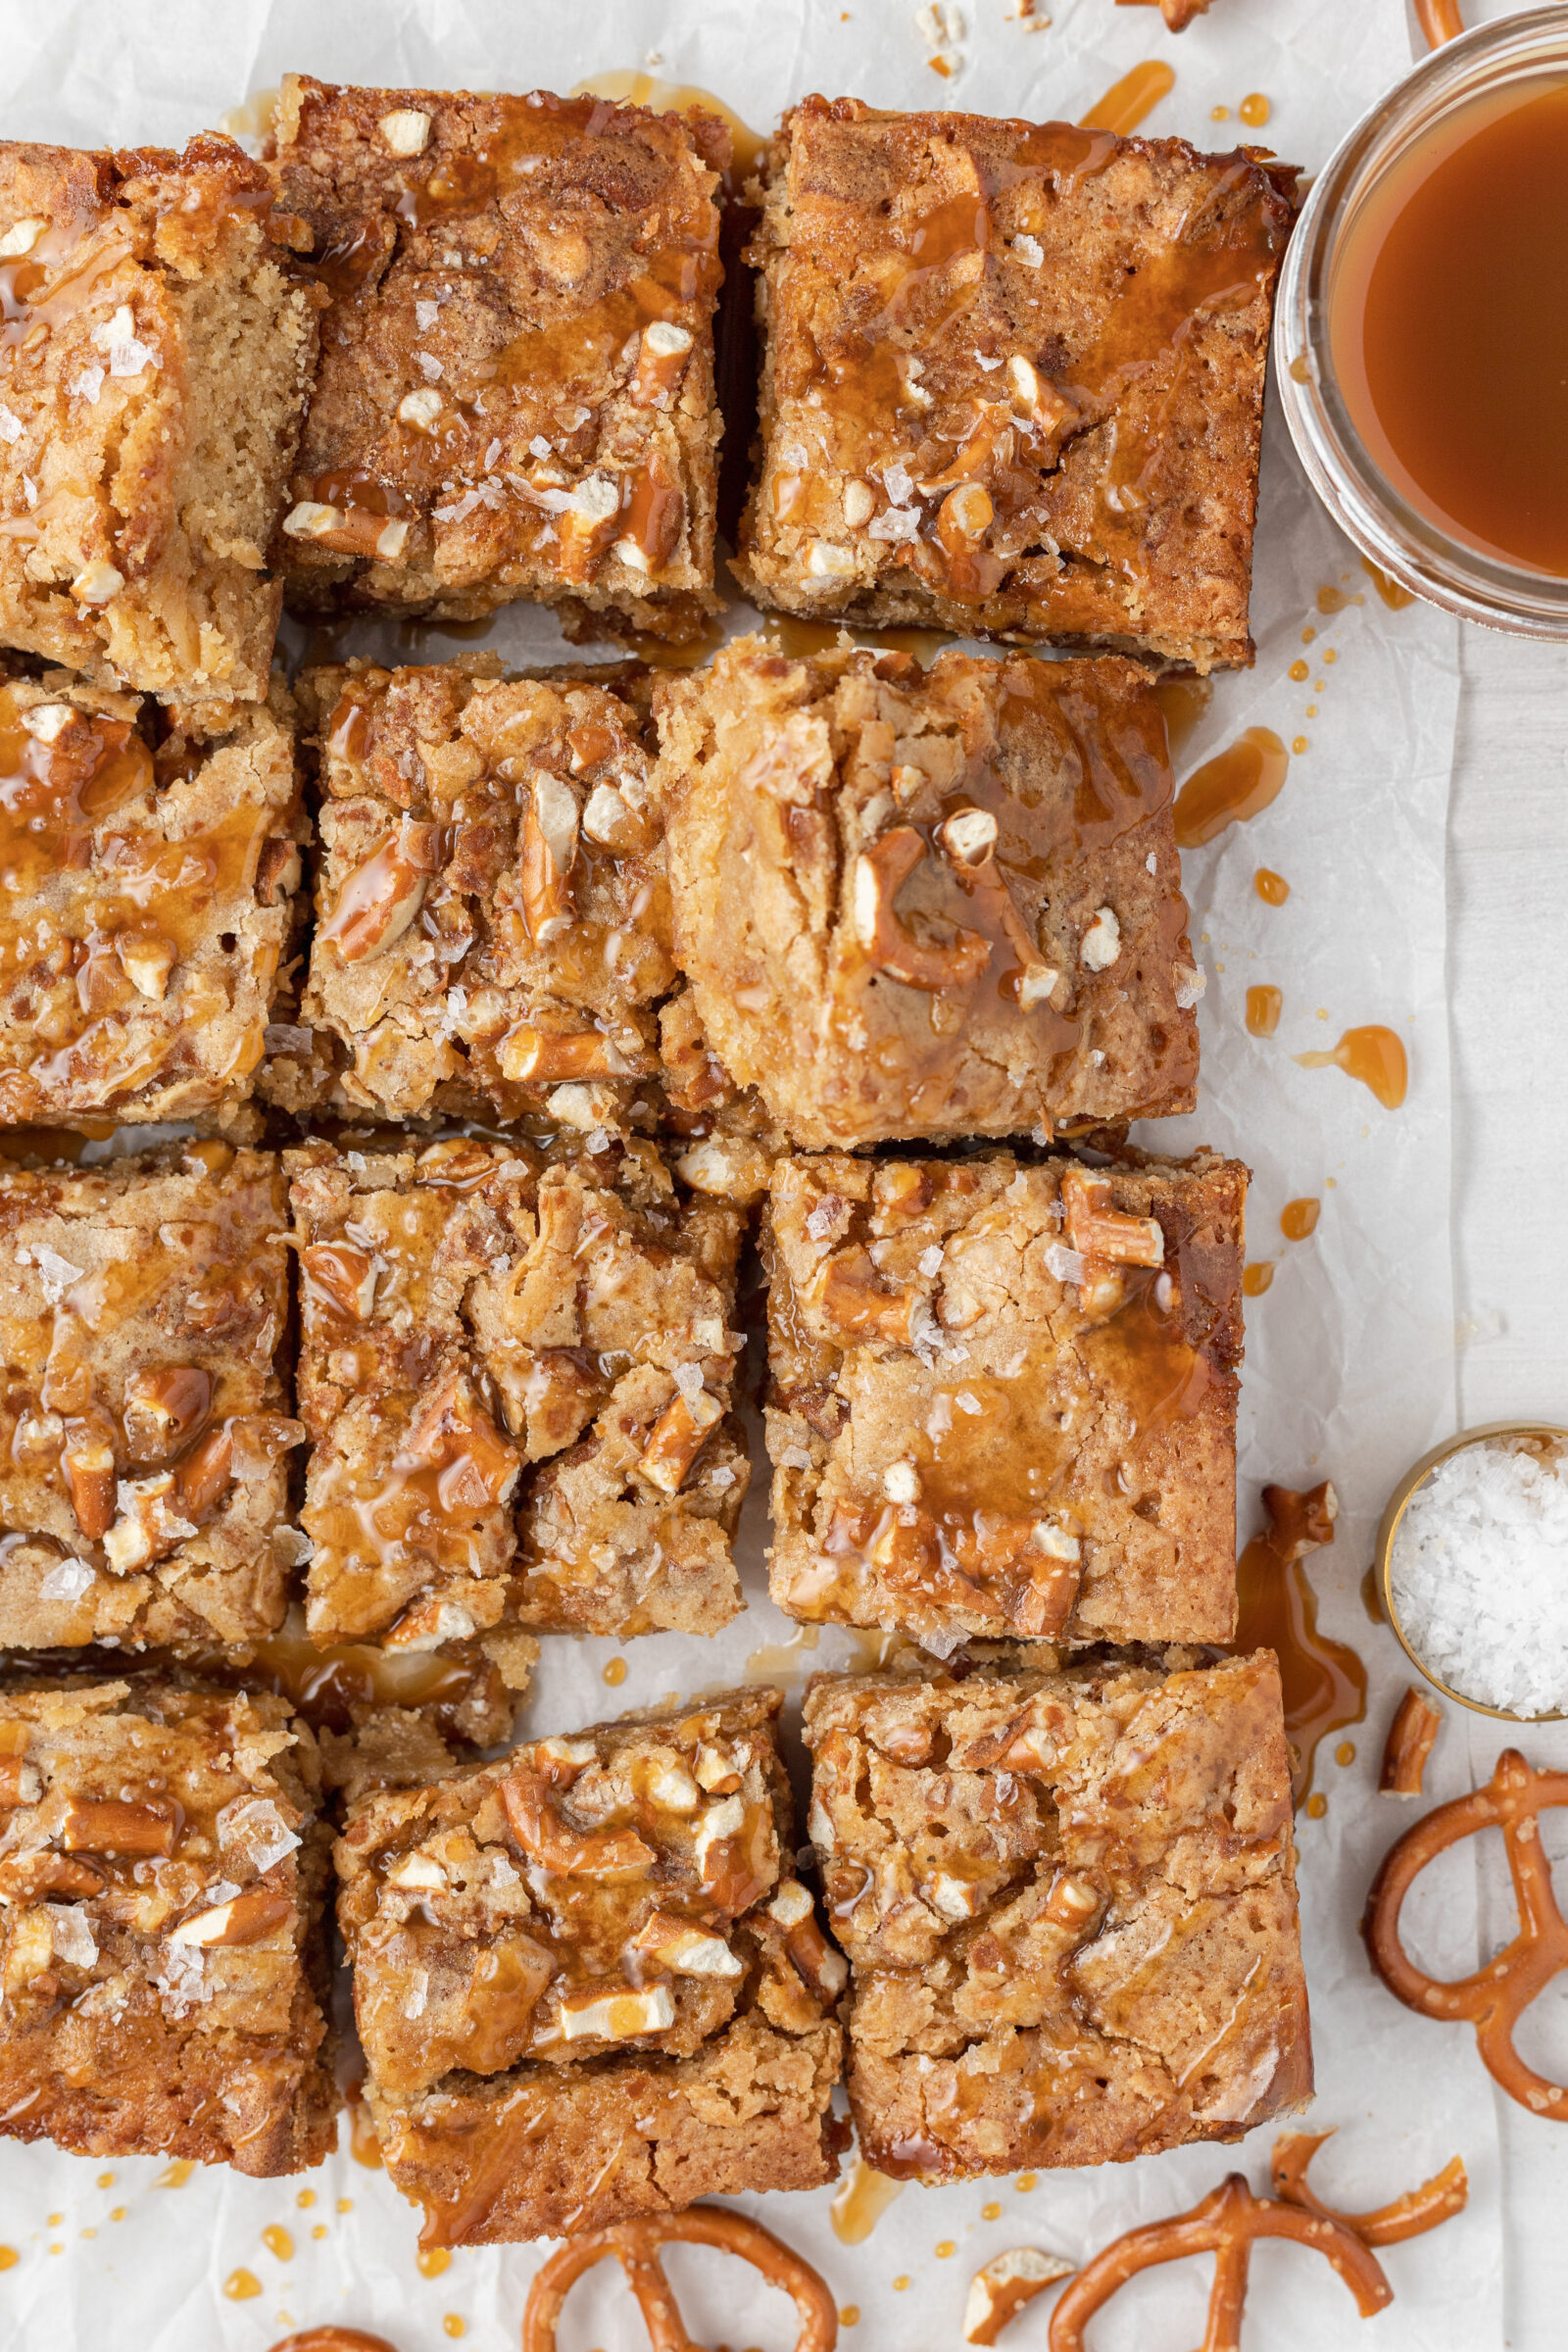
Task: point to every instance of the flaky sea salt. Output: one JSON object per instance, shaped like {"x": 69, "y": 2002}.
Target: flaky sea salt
{"x": 1479, "y": 1576}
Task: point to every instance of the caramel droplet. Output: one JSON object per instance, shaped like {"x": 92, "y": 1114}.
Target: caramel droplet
{"x": 1254, "y": 110}
{"x": 1332, "y": 600}
{"x": 1271, "y": 888}
{"x": 615, "y": 1672}
{"x": 1393, "y": 595}
{"x": 859, "y": 2201}
{"x": 431, "y": 2261}
{"x": 1126, "y": 102}
{"x": 1265, "y": 1005}
{"x": 850, "y": 2316}
{"x": 1316, "y": 1806}
{"x": 1238, "y": 783}
{"x": 1298, "y": 1218}
{"x": 1026, "y": 2181}
{"x": 945, "y": 2247}
{"x": 9, "y": 2258}
{"x": 454, "y": 2324}
{"x": 1374, "y": 1056}
{"x": 1299, "y": 669}
{"x": 278, "y": 2242}
{"x": 1344, "y": 1753}
{"x": 240, "y": 2285}
{"x": 1256, "y": 1278}
{"x": 175, "y": 2174}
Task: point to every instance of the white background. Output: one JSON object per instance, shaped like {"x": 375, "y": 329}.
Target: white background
{"x": 1438, "y": 912}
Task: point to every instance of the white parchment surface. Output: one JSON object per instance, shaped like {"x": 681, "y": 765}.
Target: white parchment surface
{"x": 1349, "y": 1363}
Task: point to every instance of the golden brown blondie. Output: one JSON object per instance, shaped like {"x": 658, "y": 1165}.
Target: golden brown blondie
{"x": 144, "y": 1429}
{"x": 162, "y": 1971}
{"x": 1014, "y": 379}
{"x": 515, "y": 1370}
{"x": 930, "y": 902}
{"x": 150, "y": 866}
{"x": 154, "y": 366}
{"x": 516, "y": 395}
{"x": 1069, "y": 1906}
{"x": 1002, "y": 1396}
{"x": 588, "y": 1982}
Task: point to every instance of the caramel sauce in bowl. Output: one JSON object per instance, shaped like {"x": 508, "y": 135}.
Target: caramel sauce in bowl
{"x": 1423, "y": 309}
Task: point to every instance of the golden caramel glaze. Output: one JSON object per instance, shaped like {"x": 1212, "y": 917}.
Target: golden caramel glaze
{"x": 154, "y": 362}
{"x": 161, "y": 1970}
{"x": 516, "y": 395}
{"x": 144, "y": 1429}
{"x": 929, "y": 903}
{"x": 151, "y": 895}
{"x": 493, "y": 933}
{"x": 587, "y": 1979}
{"x": 491, "y": 1340}
{"x": 977, "y": 1429}
{"x": 1014, "y": 379}
{"x": 1069, "y": 1902}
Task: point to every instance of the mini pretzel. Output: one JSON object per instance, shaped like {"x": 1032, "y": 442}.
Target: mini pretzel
{"x": 1494, "y": 1998}
{"x": 333, "y": 2339}
{"x": 635, "y": 2245}
{"x": 1225, "y": 2226}
{"x": 1411, "y": 2216}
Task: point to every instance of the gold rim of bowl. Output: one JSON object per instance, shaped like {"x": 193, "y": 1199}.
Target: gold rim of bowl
{"x": 1389, "y": 1528}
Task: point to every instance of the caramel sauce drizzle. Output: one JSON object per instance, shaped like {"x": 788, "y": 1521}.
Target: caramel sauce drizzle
{"x": 1373, "y": 1055}
{"x": 1324, "y": 1682}
{"x": 1127, "y": 102}
{"x": 1238, "y": 783}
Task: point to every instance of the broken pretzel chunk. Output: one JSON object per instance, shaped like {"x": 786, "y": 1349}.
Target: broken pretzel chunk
{"x": 1419, "y": 2209}
{"x": 550, "y": 828}
{"x": 1096, "y": 1230}
{"x": 880, "y": 873}
{"x": 685, "y": 1949}
{"x": 677, "y": 1438}
{"x": 824, "y": 1970}
{"x": 1411, "y": 1735}
{"x": 1002, "y": 2288}
{"x": 635, "y": 2245}
{"x": 112, "y": 1826}
{"x": 246, "y": 1918}
{"x": 618, "y": 2013}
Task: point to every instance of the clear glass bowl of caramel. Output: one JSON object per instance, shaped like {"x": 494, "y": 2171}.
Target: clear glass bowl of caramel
{"x": 1421, "y": 332}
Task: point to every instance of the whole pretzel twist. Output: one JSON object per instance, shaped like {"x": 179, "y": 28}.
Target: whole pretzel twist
{"x": 1495, "y": 1997}
{"x": 1225, "y": 2225}
{"x": 333, "y": 2339}
{"x": 635, "y": 2245}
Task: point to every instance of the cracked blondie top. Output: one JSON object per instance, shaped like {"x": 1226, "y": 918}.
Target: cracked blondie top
{"x": 152, "y": 375}
{"x": 1002, "y": 1396}
{"x": 144, "y": 1428}
{"x": 515, "y": 394}
{"x": 1069, "y": 1906}
{"x": 162, "y": 1975}
{"x": 515, "y": 1372}
{"x": 1013, "y": 379}
{"x": 588, "y": 1982}
{"x": 930, "y": 902}
{"x": 150, "y": 877}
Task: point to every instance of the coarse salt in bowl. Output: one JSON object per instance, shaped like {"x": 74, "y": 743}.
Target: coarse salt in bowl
{"x": 1475, "y": 1569}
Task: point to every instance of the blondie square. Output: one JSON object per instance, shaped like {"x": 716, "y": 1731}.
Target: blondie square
{"x": 163, "y": 1973}
{"x": 516, "y": 395}
{"x": 515, "y": 1372}
{"x": 1014, "y": 379}
{"x": 930, "y": 902}
{"x": 144, "y": 1429}
{"x": 493, "y": 933}
{"x": 1002, "y": 1396}
{"x": 152, "y": 375}
{"x": 588, "y": 1982}
{"x": 150, "y": 866}
{"x": 1069, "y": 1906}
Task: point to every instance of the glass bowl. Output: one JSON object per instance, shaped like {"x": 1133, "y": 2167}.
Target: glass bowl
{"x": 1389, "y": 1528}
{"x": 1402, "y": 542}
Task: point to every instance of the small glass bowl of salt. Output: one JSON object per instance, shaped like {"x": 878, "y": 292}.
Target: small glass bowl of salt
{"x": 1472, "y": 1569}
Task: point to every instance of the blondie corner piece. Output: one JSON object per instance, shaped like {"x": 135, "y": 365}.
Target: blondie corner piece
{"x": 588, "y": 1982}
{"x": 162, "y": 1970}
{"x": 1069, "y": 1906}
{"x": 1002, "y": 1396}
{"x": 156, "y": 363}
{"x": 151, "y": 871}
{"x": 515, "y": 396}
{"x": 1014, "y": 379}
{"x": 930, "y": 902}
{"x": 143, "y": 1431}
{"x": 516, "y": 1371}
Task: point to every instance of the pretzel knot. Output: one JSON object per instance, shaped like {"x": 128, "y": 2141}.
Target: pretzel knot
{"x": 635, "y": 2245}
{"x": 1495, "y": 1997}
{"x": 333, "y": 2339}
{"x": 1225, "y": 2226}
